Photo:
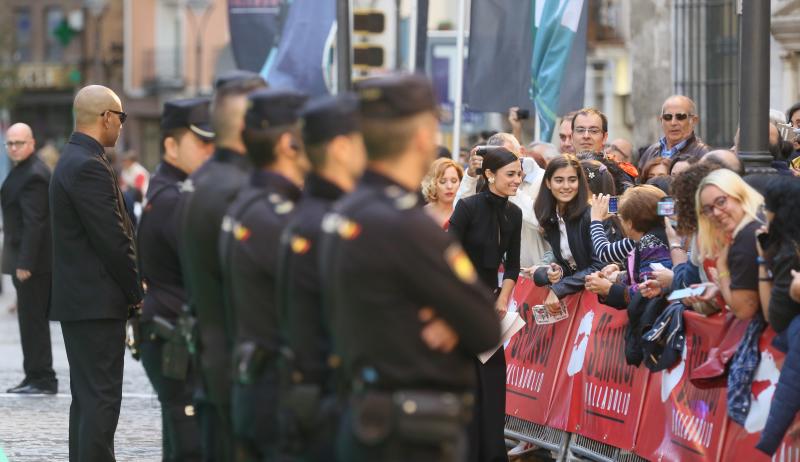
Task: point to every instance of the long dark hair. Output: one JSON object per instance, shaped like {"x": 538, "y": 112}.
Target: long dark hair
{"x": 781, "y": 199}
{"x": 546, "y": 205}
{"x": 494, "y": 160}
{"x": 598, "y": 177}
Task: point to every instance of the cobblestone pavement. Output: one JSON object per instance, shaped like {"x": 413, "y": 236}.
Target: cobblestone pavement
{"x": 35, "y": 428}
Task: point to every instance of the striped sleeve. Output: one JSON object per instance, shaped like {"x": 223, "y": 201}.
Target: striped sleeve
{"x": 608, "y": 252}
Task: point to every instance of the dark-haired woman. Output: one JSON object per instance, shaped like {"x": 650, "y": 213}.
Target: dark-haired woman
{"x": 563, "y": 211}
{"x": 782, "y": 252}
{"x": 488, "y": 227}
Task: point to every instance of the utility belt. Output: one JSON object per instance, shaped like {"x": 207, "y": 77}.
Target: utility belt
{"x": 251, "y": 360}
{"x": 424, "y": 417}
{"x": 174, "y": 351}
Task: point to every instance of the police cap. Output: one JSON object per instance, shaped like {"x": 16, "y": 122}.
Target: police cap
{"x": 238, "y": 77}
{"x": 395, "y": 96}
{"x": 267, "y": 108}
{"x": 330, "y": 116}
{"x": 191, "y": 113}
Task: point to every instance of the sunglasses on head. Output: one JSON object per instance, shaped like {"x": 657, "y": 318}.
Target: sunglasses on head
{"x": 122, "y": 115}
{"x": 678, "y": 115}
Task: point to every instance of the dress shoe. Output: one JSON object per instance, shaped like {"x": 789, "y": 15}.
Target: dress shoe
{"x": 33, "y": 389}
{"x": 21, "y": 385}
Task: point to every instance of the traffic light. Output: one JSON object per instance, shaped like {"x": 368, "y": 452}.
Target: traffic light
{"x": 374, "y": 37}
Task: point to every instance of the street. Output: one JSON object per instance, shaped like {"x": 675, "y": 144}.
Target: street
{"x": 35, "y": 428}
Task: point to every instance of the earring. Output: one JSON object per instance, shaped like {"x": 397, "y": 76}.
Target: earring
{"x": 491, "y": 180}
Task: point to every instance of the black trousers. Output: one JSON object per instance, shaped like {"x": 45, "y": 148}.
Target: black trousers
{"x": 487, "y": 429}
{"x": 255, "y": 418}
{"x": 96, "y": 352}
{"x": 33, "y": 306}
{"x": 180, "y": 433}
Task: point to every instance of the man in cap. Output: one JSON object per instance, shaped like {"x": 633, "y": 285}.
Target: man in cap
{"x": 95, "y": 279}
{"x": 187, "y": 142}
{"x": 248, "y": 248}
{"x": 205, "y": 196}
{"x": 28, "y": 257}
{"x": 336, "y": 151}
{"x": 387, "y": 270}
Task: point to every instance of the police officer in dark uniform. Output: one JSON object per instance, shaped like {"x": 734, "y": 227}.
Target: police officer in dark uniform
{"x": 386, "y": 268}
{"x": 336, "y": 151}
{"x": 248, "y": 249}
{"x": 205, "y": 196}
{"x": 187, "y": 143}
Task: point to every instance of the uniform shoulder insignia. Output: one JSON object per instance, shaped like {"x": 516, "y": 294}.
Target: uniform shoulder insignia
{"x": 406, "y": 201}
{"x": 274, "y": 198}
{"x": 460, "y": 263}
{"x": 393, "y": 191}
{"x": 227, "y": 224}
{"x": 300, "y": 245}
{"x": 333, "y": 223}
{"x": 241, "y": 232}
{"x": 186, "y": 185}
{"x": 282, "y": 208}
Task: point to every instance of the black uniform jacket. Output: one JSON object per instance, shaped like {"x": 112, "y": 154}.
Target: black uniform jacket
{"x": 206, "y": 195}
{"x": 27, "y": 243}
{"x": 384, "y": 259}
{"x": 303, "y": 323}
{"x": 249, "y": 251}
{"x": 158, "y": 245}
{"x": 94, "y": 255}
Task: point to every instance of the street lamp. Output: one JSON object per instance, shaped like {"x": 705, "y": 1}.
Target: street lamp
{"x": 96, "y": 8}
{"x": 201, "y": 10}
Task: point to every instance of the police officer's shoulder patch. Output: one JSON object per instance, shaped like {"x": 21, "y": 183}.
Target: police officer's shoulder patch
{"x": 300, "y": 245}
{"x": 460, "y": 263}
{"x": 241, "y": 232}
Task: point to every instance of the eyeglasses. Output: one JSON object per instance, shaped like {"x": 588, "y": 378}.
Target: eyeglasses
{"x": 678, "y": 115}
{"x": 719, "y": 204}
{"x": 590, "y": 130}
{"x": 122, "y": 115}
{"x": 15, "y": 144}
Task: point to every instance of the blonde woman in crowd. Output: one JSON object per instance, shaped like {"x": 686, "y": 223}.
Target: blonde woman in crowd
{"x": 727, "y": 221}
{"x": 439, "y": 187}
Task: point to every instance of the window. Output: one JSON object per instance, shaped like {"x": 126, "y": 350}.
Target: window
{"x": 22, "y": 34}
{"x": 54, "y": 17}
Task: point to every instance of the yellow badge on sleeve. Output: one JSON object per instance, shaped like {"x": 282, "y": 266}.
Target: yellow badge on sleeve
{"x": 460, "y": 263}
{"x": 241, "y": 233}
{"x": 300, "y": 245}
{"x": 349, "y": 230}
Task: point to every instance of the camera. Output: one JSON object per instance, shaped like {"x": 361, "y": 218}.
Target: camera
{"x": 666, "y": 207}
{"x": 484, "y": 150}
{"x": 523, "y": 114}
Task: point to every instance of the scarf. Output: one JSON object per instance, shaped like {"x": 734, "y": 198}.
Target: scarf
{"x": 494, "y": 248}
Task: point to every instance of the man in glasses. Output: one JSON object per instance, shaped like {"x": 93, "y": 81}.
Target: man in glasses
{"x": 678, "y": 118}
{"x": 589, "y": 133}
{"x": 27, "y": 257}
{"x": 95, "y": 276}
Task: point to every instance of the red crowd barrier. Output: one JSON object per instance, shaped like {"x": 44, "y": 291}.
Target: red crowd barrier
{"x": 572, "y": 376}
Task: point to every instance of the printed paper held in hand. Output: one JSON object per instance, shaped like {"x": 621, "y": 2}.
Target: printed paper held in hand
{"x": 543, "y": 316}
{"x": 510, "y": 325}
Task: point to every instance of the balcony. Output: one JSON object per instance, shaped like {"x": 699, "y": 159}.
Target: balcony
{"x": 162, "y": 70}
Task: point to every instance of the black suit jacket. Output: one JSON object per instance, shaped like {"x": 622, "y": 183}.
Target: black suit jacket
{"x": 27, "y": 243}
{"x": 94, "y": 258}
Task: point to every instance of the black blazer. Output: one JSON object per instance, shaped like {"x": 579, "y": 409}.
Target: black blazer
{"x": 471, "y": 224}
{"x": 27, "y": 243}
{"x": 94, "y": 258}
{"x": 580, "y": 244}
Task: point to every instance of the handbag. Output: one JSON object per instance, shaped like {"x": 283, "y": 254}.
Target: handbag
{"x": 713, "y": 373}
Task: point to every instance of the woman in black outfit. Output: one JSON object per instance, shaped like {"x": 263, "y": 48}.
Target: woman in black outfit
{"x": 488, "y": 227}
{"x": 564, "y": 214}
